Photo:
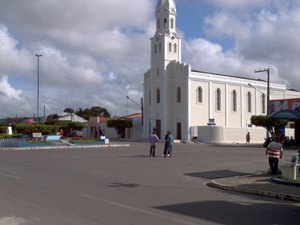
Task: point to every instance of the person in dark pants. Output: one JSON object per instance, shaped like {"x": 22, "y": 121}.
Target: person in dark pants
{"x": 248, "y": 138}
{"x": 153, "y": 139}
{"x": 275, "y": 152}
{"x": 166, "y": 145}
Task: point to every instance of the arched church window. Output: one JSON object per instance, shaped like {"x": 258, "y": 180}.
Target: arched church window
{"x": 170, "y": 47}
{"x": 172, "y": 23}
{"x": 166, "y": 26}
{"x": 199, "y": 95}
{"x": 157, "y": 95}
{"x": 249, "y": 98}
{"x": 218, "y": 100}
{"x": 175, "y": 47}
{"x": 263, "y": 103}
{"x": 234, "y": 101}
{"x": 159, "y": 47}
{"x": 158, "y": 24}
{"x": 178, "y": 99}
{"x": 155, "y": 48}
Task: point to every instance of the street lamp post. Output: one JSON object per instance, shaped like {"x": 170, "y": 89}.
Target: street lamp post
{"x": 38, "y": 88}
{"x": 268, "y": 86}
{"x": 268, "y": 90}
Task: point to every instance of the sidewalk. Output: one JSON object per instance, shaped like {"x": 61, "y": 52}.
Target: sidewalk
{"x": 260, "y": 184}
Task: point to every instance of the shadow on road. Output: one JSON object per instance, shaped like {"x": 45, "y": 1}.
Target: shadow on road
{"x": 216, "y": 174}
{"x": 229, "y": 213}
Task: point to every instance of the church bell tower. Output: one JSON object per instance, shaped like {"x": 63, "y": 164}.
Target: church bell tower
{"x": 165, "y": 48}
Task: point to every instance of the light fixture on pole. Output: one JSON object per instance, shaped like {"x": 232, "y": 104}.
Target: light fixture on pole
{"x": 38, "y": 88}
{"x": 140, "y": 105}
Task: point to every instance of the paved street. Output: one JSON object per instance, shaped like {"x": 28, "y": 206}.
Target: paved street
{"x": 124, "y": 186}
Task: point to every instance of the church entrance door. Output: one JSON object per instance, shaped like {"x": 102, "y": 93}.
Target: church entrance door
{"x": 158, "y": 128}
{"x": 178, "y": 130}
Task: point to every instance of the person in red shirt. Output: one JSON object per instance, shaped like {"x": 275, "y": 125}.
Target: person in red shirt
{"x": 275, "y": 152}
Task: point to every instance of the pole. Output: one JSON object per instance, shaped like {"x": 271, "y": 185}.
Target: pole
{"x": 268, "y": 90}
{"x": 38, "y": 88}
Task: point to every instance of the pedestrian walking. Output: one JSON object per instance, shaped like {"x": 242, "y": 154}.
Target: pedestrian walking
{"x": 275, "y": 152}
{"x": 153, "y": 139}
{"x": 166, "y": 145}
{"x": 170, "y": 144}
{"x": 248, "y": 138}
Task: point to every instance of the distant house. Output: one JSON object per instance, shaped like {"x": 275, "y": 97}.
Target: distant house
{"x": 17, "y": 120}
{"x": 97, "y": 126}
{"x": 136, "y": 131}
{"x": 72, "y": 118}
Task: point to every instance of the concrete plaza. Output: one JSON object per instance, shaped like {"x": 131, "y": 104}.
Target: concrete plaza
{"x": 124, "y": 186}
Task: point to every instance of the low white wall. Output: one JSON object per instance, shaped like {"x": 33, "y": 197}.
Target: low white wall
{"x": 217, "y": 134}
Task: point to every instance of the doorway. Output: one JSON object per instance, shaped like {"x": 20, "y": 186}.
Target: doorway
{"x": 178, "y": 131}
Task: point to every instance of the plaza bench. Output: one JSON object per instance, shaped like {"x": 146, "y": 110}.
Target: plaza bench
{"x": 37, "y": 136}
{"x": 289, "y": 170}
{"x": 53, "y": 137}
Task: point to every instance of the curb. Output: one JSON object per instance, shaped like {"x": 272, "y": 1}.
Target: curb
{"x": 281, "y": 196}
{"x": 64, "y": 147}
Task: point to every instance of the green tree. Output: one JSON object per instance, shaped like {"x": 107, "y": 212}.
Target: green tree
{"x": 93, "y": 112}
{"x": 120, "y": 125}
{"x": 272, "y": 125}
{"x": 69, "y": 110}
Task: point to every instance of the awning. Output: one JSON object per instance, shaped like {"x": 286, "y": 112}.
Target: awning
{"x": 287, "y": 115}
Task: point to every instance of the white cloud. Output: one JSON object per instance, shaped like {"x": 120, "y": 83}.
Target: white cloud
{"x": 80, "y": 44}
{"x": 7, "y": 90}
{"x": 262, "y": 37}
{"x": 238, "y": 3}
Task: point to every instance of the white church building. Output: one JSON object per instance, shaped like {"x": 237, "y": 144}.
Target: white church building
{"x": 206, "y": 106}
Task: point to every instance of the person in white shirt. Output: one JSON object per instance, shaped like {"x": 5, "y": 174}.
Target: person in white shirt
{"x": 153, "y": 139}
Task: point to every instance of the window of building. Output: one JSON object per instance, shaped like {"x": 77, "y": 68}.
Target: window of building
{"x": 234, "y": 101}
{"x": 178, "y": 99}
{"x": 166, "y": 23}
{"x": 218, "y": 100}
{"x": 155, "y": 48}
{"x": 263, "y": 103}
{"x": 199, "y": 95}
{"x": 158, "y": 24}
{"x": 175, "y": 47}
{"x": 249, "y": 98}
{"x": 157, "y": 95}
{"x": 172, "y": 23}
{"x": 159, "y": 48}
{"x": 170, "y": 47}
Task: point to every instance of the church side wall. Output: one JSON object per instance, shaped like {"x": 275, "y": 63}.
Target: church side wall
{"x": 199, "y": 110}
{"x": 229, "y": 135}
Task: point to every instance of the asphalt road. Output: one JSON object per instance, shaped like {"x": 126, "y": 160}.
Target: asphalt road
{"x": 124, "y": 186}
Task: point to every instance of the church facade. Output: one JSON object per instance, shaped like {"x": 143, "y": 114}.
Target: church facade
{"x": 180, "y": 99}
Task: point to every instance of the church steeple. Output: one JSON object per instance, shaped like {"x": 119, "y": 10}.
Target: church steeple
{"x": 166, "y": 16}
{"x": 165, "y": 45}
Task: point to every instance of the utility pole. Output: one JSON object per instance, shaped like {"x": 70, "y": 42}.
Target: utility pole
{"x": 38, "y": 88}
{"x": 268, "y": 86}
{"x": 268, "y": 90}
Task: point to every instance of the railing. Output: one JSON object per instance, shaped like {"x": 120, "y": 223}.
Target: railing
{"x": 10, "y": 142}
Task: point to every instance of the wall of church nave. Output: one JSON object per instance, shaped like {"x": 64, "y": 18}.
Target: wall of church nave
{"x": 218, "y": 103}
{"x": 199, "y": 103}
{"x": 227, "y": 135}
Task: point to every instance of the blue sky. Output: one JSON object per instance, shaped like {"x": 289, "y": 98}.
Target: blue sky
{"x": 95, "y": 53}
